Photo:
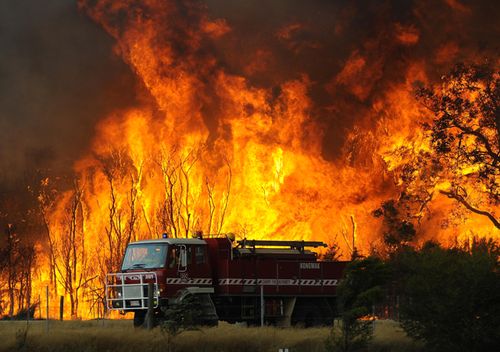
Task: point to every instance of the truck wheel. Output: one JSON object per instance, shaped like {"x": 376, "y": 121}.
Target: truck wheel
{"x": 307, "y": 317}
{"x": 139, "y": 318}
{"x": 313, "y": 318}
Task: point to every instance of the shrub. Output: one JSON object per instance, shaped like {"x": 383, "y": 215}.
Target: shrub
{"x": 451, "y": 296}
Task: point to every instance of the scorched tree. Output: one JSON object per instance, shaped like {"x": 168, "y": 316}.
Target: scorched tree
{"x": 465, "y": 136}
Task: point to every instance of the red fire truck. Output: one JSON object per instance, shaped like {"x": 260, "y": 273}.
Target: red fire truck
{"x": 278, "y": 282}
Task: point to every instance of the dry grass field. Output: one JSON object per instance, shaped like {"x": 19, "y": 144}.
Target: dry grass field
{"x": 119, "y": 335}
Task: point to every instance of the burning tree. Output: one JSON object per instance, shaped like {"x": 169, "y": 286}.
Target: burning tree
{"x": 16, "y": 266}
{"x": 17, "y": 257}
{"x": 458, "y": 156}
{"x": 68, "y": 257}
{"x": 179, "y": 211}
{"x": 399, "y": 231}
{"x": 465, "y": 137}
{"x": 122, "y": 178}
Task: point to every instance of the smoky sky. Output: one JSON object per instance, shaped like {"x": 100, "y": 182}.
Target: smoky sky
{"x": 322, "y": 35}
{"x": 58, "y": 77}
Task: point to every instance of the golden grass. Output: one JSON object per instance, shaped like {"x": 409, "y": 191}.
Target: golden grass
{"x": 389, "y": 336}
{"x": 119, "y": 335}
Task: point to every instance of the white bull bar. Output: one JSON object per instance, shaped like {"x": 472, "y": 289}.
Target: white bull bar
{"x": 130, "y": 296}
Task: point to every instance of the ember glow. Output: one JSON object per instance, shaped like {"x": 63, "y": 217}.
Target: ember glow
{"x": 298, "y": 133}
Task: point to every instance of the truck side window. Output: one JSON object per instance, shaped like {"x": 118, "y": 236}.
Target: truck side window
{"x": 172, "y": 257}
{"x": 199, "y": 254}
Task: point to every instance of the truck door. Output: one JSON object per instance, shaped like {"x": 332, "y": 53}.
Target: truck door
{"x": 178, "y": 268}
{"x": 199, "y": 268}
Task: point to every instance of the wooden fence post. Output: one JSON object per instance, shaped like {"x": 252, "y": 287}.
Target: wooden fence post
{"x": 61, "y": 308}
{"x": 262, "y": 306}
{"x": 40, "y": 307}
{"x": 47, "y": 299}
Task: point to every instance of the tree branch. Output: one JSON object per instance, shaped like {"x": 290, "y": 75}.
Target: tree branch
{"x": 482, "y": 138}
{"x": 466, "y": 204}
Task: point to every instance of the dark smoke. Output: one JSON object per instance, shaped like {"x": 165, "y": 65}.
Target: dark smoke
{"x": 58, "y": 77}
{"x": 322, "y": 35}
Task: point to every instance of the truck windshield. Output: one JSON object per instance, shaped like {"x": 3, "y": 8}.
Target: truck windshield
{"x": 145, "y": 256}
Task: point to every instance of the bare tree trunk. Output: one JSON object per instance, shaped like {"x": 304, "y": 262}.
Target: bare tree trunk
{"x": 226, "y": 197}
{"x": 45, "y": 204}
{"x": 211, "y": 205}
{"x": 12, "y": 268}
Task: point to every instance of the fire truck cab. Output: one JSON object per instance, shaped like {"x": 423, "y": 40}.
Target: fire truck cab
{"x": 279, "y": 282}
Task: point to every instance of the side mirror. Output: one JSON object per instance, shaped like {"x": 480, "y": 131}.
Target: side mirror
{"x": 183, "y": 259}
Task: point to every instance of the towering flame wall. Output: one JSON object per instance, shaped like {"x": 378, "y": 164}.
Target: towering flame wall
{"x": 290, "y": 124}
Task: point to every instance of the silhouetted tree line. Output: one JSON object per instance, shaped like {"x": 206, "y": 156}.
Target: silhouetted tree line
{"x": 17, "y": 256}
{"x": 448, "y": 297}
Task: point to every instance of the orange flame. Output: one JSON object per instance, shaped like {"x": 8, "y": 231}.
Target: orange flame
{"x": 210, "y": 151}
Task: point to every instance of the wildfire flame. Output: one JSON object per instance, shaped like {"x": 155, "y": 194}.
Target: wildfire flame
{"x": 211, "y": 150}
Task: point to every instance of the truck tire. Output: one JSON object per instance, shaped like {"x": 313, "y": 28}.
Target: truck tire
{"x": 202, "y": 308}
{"x": 307, "y": 315}
{"x": 139, "y": 318}
{"x": 313, "y": 318}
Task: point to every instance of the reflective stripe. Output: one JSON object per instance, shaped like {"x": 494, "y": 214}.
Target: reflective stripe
{"x": 331, "y": 282}
{"x": 264, "y": 282}
{"x": 278, "y": 282}
{"x": 189, "y": 281}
